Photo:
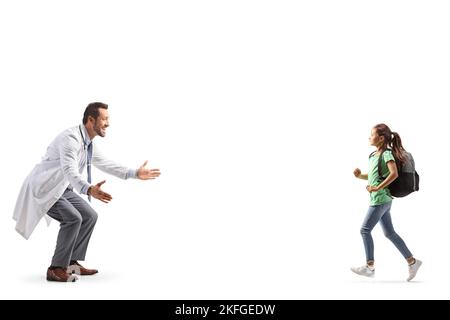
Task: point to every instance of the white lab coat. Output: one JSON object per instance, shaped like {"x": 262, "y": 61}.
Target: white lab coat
{"x": 62, "y": 165}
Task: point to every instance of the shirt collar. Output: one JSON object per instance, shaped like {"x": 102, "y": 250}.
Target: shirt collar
{"x": 87, "y": 140}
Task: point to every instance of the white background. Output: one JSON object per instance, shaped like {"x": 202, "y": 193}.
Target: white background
{"x": 256, "y": 112}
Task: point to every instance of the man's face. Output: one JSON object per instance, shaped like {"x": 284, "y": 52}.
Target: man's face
{"x": 102, "y": 122}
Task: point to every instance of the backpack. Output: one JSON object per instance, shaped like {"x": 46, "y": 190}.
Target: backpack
{"x": 407, "y": 180}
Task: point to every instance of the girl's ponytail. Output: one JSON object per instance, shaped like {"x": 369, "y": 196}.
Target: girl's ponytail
{"x": 397, "y": 148}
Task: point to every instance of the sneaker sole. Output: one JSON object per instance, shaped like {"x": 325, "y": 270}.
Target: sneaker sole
{"x": 363, "y": 274}
{"x": 419, "y": 263}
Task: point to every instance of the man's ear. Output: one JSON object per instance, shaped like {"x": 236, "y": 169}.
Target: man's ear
{"x": 91, "y": 119}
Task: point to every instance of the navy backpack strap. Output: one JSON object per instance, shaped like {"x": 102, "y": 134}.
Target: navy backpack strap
{"x": 380, "y": 159}
{"x": 380, "y": 173}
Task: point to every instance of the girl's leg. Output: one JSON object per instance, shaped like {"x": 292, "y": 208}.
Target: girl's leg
{"x": 373, "y": 215}
{"x": 389, "y": 232}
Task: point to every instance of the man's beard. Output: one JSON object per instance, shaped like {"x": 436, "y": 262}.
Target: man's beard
{"x": 99, "y": 131}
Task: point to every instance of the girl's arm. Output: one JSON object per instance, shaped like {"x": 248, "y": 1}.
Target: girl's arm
{"x": 393, "y": 174}
{"x": 360, "y": 175}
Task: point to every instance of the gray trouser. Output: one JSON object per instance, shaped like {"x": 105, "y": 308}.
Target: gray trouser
{"x": 77, "y": 220}
{"x": 381, "y": 213}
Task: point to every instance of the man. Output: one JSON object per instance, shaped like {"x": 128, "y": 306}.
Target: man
{"x": 49, "y": 189}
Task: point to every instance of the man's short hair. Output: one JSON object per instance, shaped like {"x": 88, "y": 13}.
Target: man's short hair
{"x": 92, "y": 110}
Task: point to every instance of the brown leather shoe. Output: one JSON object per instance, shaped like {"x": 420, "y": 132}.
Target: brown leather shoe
{"x": 60, "y": 275}
{"x": 77, "y": 268}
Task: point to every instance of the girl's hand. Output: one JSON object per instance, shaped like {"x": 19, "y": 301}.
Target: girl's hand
{"x": 372, "y": 188}
{"x": 357, "y": 172}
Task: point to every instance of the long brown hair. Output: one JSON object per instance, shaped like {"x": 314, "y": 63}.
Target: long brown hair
{"x": 392, "y": 140}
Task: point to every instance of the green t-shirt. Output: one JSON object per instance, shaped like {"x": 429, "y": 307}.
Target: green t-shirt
{"x": 382, "y": 196}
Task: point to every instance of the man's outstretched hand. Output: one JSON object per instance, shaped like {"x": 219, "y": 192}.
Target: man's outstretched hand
{"x": 98, "y": 193}
{"x": 147, "y": 174}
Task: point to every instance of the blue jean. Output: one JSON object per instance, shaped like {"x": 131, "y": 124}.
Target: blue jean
{"x": 381, "y": 213}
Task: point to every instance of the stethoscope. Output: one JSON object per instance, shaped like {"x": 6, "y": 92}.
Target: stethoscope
{"x": 82, "y": 136}
{"x": 85, "y": 146}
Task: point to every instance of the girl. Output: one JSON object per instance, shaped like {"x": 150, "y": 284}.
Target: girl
{"x": 389, "y": 146}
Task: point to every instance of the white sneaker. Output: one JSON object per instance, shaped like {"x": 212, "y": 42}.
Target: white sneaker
{"x": 413, "y": 269}
{"x": 364, "y": 271}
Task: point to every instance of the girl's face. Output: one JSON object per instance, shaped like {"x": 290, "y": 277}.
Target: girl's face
{"x": 374, "y": 139}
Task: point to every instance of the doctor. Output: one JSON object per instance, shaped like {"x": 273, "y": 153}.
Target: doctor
{"x": 51, "y": 185}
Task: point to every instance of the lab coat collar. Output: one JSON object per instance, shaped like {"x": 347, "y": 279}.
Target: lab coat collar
{"x": 87, "y": 140}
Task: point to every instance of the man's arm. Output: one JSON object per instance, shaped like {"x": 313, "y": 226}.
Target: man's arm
{"x": 144, "y": 173}
{"x": 98, "y": 193}
{"x": 115, "y": 169}
{"x": 68, "y": 149}
{"x": 111, "y": 167}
